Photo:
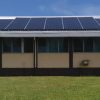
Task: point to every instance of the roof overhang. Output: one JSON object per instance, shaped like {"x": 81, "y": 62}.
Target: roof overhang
{"x": 13, "y": 17}
{"x": 49, "y": 33}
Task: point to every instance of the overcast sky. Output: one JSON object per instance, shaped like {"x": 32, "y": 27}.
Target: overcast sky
{"x": 49, "y": 7}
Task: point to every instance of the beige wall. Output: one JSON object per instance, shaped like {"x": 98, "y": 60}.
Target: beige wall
{"x": 49, "y": 60}
{"x": 14, "y": 60}
{"x": 53, "y": 60}
{"x": 94, "y": 60}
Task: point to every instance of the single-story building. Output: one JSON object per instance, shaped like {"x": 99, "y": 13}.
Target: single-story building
{"x": 50, "y": 42}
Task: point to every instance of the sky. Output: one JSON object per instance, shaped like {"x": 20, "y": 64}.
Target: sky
{"x": 49, "y": 7}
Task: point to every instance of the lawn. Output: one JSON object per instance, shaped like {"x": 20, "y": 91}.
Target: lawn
{"x": 49, "y": 88}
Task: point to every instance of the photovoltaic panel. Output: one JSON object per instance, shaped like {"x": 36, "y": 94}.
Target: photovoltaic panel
{"x": 89, "y": 23}
{"x": 50, "y": 23}
{"x": 4, "y": 23}
{"x": 36, "y": 24}
{"x": 71, "y": 23}
{"x": 54, "y": 24}
{"x": 18, "y": 24}
{"x": 98, "y": 21}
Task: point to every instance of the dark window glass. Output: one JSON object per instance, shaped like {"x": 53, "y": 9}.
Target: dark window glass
{"x": 96, "y": 45}
{"x": 42, "y": 45}
{"x": 88, "y": 45}
{"x": 77, "y": 45}
{"x": 53, "y": 45}
{"x": 63, "y": 45}
{"x": 28, "y": 45}
{"x": 16, "y": 45}
{"x": 0, "y": 45}
{"x": 7, "y": 45}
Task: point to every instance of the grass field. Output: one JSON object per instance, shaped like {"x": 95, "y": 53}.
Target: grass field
{"x": 49, "y": 88}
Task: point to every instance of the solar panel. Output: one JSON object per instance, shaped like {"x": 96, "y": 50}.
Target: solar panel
{"x": 71, "y": 23}
{"x": 36, "y": 24}
{"x": 89, "y": 23}
{"x": 98, "y": 21}
{"x": 4, "y": 23}
{"x": 54, "y": 24}
{"x": 18, "y": 24}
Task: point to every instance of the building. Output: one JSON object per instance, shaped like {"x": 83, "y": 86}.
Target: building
{"x": 50, "y": 42}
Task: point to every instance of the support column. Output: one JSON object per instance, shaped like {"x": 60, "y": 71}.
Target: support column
{"x": 70, "y": 53}
{"x": 35, "y": 52}
{"x": 1, "y": 50}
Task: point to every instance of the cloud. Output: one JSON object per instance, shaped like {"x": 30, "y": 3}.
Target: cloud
{"x": 90, "y": 10}
{"x": 62, "y": 8}
{"x": 61, "y": 11}
{"x": 58, "y": 7}
{"x": 42, "y": 8}
{"x": 65, "y": 8}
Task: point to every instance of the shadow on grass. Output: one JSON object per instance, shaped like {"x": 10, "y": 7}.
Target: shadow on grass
{"x": 50, "y": 72}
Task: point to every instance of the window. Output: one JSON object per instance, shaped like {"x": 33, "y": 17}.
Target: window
{"x": 0, "y": 45}
{"x": 11, "y": 45}
{"x": 88, "y": 45}
{"x": 78, "y": 45}
{"x": 63, "y": 45}
{"x": 16, "y": 45}
{"x": 7, "y": 45}
{"x": 48, "y": 45}
{"x": 28, "y": 45}
{"x": 42, "y": 45}
{"x": 53, "y": 44}
{"x": 96, "y": 45}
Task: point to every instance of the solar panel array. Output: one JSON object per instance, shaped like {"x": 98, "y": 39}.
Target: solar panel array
{"x": 72, "y": 23}
{"x": 98, "y": 21}
{"x": 35, "y": 24}
{"x": 44, "y": 24}
{"x": 89, "y": 23}
{"x": 18, "y": 24}
{"x": 53, "y": 24}
{"x": 4, "y": 23}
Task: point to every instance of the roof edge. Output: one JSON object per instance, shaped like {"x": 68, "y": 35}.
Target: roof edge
{"x": 13, "y": 17}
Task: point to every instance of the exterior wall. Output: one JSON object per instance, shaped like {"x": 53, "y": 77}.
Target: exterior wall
{"x": 49, "y": 60}
{"x": 16, "y": 60}
{"x": 53, "y": 60}
{"x": 94, "y": 60}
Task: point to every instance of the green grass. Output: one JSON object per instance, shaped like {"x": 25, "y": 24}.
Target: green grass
{"x": 49, "y": 88}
